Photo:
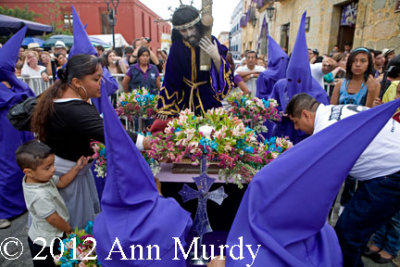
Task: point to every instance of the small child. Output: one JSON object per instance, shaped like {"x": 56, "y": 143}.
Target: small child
{"x": 43, "y": 201}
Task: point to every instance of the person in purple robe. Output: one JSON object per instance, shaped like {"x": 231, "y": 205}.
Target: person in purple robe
{"x": 298, "y": 80}
{"x": 282, "y": 216}
{"x": 185, "y": 85}
{"x": 133, "y": 212}
{"x": 378, "y": 198}
{"x": 12, "y": 91}
{"x": 277, "y": 64}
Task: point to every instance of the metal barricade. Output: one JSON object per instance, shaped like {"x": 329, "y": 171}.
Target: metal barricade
{"x": 329, "y": 88}
{"x": 36, "y": 83}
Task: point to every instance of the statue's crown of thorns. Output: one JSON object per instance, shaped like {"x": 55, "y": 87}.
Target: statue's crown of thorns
{"x": 186, "y": 25}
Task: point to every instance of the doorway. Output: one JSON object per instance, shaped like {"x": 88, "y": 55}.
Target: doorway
{"x": 348, "y": 18}
{"x": 285, "y": 29}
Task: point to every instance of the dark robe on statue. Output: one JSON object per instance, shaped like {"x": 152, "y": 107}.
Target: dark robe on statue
{"x": 185, "y": 86}
{"x": 12, "y": 201}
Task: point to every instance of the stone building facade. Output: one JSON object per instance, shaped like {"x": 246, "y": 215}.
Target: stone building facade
{"x": 370, "y": 23}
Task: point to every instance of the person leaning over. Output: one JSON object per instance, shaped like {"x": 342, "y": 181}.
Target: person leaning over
{"x": 43, "y": 201}
{"x": 378, "y": 199}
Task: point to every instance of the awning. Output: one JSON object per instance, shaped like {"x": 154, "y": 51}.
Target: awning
{"x": 9, "y": 25}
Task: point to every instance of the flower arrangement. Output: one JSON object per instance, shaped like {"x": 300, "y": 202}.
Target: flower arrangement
{"x": 222, "y": 138}
{"x": 78, "y": 249}
{"x": 253, "y": 111}
{"x": 100, "y": 158}
{"x": 138, "y": 103}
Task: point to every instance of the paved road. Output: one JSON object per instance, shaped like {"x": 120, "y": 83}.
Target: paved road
{"x": 18, "y": 229}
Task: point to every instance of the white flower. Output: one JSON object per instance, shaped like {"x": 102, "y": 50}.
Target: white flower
{"x": 194, "y": 147}
{"x": 206, "y": 130}
{"x": 259, "y": 103}
{"x": 274, "y": 155}
{"x": 238, "y": 130}
{"x": 227, "y": 148}
{"x": 190, "y": 133}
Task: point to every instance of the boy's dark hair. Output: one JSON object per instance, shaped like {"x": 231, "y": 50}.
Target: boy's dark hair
{"x": 301, "y": 102}
{"x": 31, "y": 154}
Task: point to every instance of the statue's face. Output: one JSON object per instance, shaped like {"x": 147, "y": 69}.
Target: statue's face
{"x": 191, "y": 35}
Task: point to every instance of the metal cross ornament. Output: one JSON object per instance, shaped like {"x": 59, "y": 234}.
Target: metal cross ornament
{"x": 201, "y": 224}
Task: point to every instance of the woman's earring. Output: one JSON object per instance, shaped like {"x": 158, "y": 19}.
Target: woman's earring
{"x": 84, "y": 89}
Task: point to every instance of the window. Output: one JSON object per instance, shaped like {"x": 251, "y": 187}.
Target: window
{"x": 67, "y": 21}
{"x": 105, "y": 24}
{"x": 307, "y": 26}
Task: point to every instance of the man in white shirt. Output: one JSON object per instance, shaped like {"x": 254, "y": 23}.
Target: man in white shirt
{"x": 318, "y": 70}
{"x": 250, "y": 72}
{"x": 378, "y": 167}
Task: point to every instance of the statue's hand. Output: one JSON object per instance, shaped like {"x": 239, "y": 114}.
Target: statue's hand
{"x": 211, "y": 48}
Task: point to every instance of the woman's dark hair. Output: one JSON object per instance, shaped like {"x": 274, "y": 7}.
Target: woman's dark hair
{"x": 78, "y": 66}
{"x": 394, "y": 67}
{"x": 350, "y": 60}
{"x": 182, "y": 16}
{"x": 141, "y": 51}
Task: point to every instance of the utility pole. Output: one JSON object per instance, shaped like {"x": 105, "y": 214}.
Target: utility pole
{"x": 112, "y": 17}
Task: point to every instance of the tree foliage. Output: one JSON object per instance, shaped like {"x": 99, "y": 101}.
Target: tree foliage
{"x": 19, "y": 13}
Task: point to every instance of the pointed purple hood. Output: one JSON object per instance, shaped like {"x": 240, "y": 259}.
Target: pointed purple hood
{"x": 82, "y": 44}
{"x": 298, "y": 74}
{"x": 132, "y": 209}
{"x": 286, "y": 204}
{"x": 8, "y": 58}
{"x": 277, "y": 64}
{"x": 298, "y": 80}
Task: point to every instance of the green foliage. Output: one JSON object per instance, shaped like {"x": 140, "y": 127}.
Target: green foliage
{"x": 19, "y": 13}
{"x": 54, "y": 17}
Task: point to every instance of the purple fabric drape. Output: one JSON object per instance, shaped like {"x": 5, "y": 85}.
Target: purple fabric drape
{"x": 132, "y": 209}
{"x": 286, "y": 204}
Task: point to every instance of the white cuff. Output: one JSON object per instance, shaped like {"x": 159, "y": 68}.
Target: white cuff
{"x": 139, "y": 142}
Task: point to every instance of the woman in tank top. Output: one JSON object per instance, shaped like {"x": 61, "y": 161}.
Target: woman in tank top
{"x": 359, "y": 86}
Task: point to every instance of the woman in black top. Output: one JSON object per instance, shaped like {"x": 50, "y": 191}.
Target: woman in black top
{"x": 65, "y": 120}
